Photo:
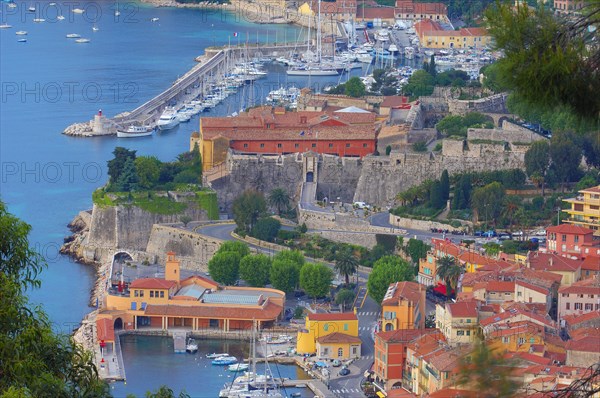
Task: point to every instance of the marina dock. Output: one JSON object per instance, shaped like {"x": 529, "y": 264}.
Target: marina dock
{"x": 213, "y": 66}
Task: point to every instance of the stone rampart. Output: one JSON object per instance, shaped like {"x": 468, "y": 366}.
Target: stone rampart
{"x": 492, "y": 104}
{"x": 423, "y": 225}
{"x": 366, "y": 240}
{"x": 510, "y": 132}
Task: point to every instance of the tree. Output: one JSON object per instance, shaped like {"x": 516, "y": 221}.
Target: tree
{"x": 462, "y": 192}
{"x": 255, "y": 270}
{"x": 148, "y": 171}
{"x": 537, "y": 160}
{"x": 436, "y": 196}
{"x": 354, "y": 87}
{"x": 248, "y": 208}
{"x": 388, "y": 270}
{"x": 416, "y": 249}
{"x": 284, "y": 274}
{"x": 165, "y": 392}
{"x": 420, "y": 146}
{"x": 488, "y": 373}
{"x": 185, "y": 219}
{"x": 445, "y": 185}
{"x": 419, "y": 84}
{"x": 315, "y": 279}
{"x": 549, "y": 60}
{"x": 234, "y": 246}
{"x": 266, "y": 229}
{"x": 344, "y": 298}
{"x": 346, "y": 264}
{"x": 432, "y": 68}
{"x": 449, "y": 272}
{"x": 566, "y": 157}
{"x": 224, "y": 267}
{"x": 388, "y": 150}
{"x": 487, "y": 201}
{"x": 128, "y": 179}
{"x": 279, "y": 199}
{"x": 116, "y": 165}
{"x": 35, "y": 361}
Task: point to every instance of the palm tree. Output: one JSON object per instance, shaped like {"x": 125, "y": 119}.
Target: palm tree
{"x": 346, "y": 264}
{"x": 279, "y": 198}
{"x": 449, "y": 271}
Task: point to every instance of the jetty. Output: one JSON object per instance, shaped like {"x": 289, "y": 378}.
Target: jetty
{"x": 212, "y": 67}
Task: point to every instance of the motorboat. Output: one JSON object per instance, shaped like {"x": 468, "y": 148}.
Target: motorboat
{"x": 183, "y": 117}
{"x": 154, "y": 20}
{"x": 95, "y": 28}
{"x": 409, "y": 52}
{"x": 5, "y": 26}
{"x": 73, "y": 36}
{"x": 238, "y": 367}
{"x": 78, "y": 11}
{"x": 39, "y": 20}
{"x": 22, "y": 40}
{"x": 382, "y": 35}
{"x": 82, "y": 40}
{"x": 393, "y": 48}
{"x": 135, "y": 131}
{"x": 167, "y": 120}
{"x": 60, "y": 18}
{"x": 12, "y": 5}
{"x": 21, "y": 33}
{"x": 222, "y": 361}
{"x": 312, "y": 70}
{"x": 191, "y": 346}
{"x": 31, "y": 9}
{"x": 215, "y": 355}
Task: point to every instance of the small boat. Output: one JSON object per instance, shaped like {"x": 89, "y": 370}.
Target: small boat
{"x": 393, "y": 48}
{"x": 60, "y": 18}
{"x": 136, "y": 131}
{"x": 95, "y": 28}
{"x": 78, "y": 11}
{"x": 39, "y": 20}
{"x": 5, "y": 26}
{"x": 167, "y": 120}
{"x": 82, "y": 40}
{"x": 154, "y": 20}
{"x": 224, "y": 361}
{"x": 12, "y": 5}
{"x": 117, "y": 13}
{"x": 238, "y": 367}
{"x": 52, "y": 4}
{"x": 296, "y": 394}
{"x": 31, "y": 9}
{"x": 21, "y": 33}
{"x": 213, "y": 355}
{"x": 22, "y": 40}
{"x": 73, "y": 36}
{"x": 191, "y": 346}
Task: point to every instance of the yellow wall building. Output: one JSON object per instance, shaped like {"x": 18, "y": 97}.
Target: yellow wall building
{"x": 432, "y": 35}
{"x": 518, "y": 337}
{"x": 585, "y": 209}
{"x": 320, "y": 325}
{"x": 458, "y": 321}
{"x": 338, "y": 346}
{"x": 403, "y": 307}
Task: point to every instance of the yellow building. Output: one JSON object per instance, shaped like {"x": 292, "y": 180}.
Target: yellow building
{"x": 403, "y": 307}
{"x": 458, "y": 321}
{"x": 517, "y": 337}
{"x": 432, "y": 35}
{"x": 585, "y": 209}
{"x": 311, "y": 337}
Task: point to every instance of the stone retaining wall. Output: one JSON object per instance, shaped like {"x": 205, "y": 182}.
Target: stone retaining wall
{"x": 422, "y": 225}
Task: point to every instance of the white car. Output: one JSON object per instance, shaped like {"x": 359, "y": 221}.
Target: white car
{"x": 362, "y": 205}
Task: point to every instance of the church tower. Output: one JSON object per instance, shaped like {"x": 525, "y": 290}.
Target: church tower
{"x": 172, "y": 268}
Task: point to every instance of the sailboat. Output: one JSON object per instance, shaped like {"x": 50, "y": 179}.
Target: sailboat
{"x": 117, "y": 12}
{"x": 251, "y": 385}
{"x": 314, "y": 65}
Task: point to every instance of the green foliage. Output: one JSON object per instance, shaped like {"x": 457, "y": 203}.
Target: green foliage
{"x": 284, "y": 234}
{"x": 266, "y": 229}
{"x": 255, "y": 269}
{"x": 416, "y": 249}
{"x": 315, "y": 279}
{"x": 148, "y": 171}
{"x": 436, "y": 195}
{"x": 298, "y": 312}
{"x": 128, "y": 179}
{"x": 388, "y": 150}
{"x": 207, "y": 200}
{"x": 566, "y": 157}
{"x": 372, "y": 256}
{"x": 491, "y": 249}
{"x": 234, "y": 246}
{"x": 420, "y": 84}
{"x": 537, "y": 158}
{"x": 454, "y": 125}
{"x": 420, "y": 146}
{"x": 587, "y": 181}
{"x": 303, "y": 228}
{"x": 248, "y": 208}
{"x": 284, "y": 274}
{"x": 449, "y": 271}
{"x": 35, "y": 361}
{"x": 438, "y": 147}
{"x": 117, "y": 165}
{"x": 165, "y": 392}
{"x": 387, "y": 270}
{"x": 354, "y": 87}
{"x": 279, "y": 199}
{"x": 224, "y": 267}
{"x": 344, "y": 297}
{"x": 346, "y": 264}
{"x": 387, "y": 241}
{"x": 450, "y": 77}
{"x": 487, "y": 201}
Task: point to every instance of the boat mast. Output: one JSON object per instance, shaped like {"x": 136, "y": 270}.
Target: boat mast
{"x": 319, "y": 34}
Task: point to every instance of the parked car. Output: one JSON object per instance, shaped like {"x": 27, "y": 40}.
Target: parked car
{"x": 517, "y": 233}
{"x": 344, "y": 371}
{"x": 489, "y": 234}
{"x": 478, "y": 233}
{"x": 540, "y": 232}
{"x": 362, "y": 205}
{"x": 336, "y": 363}
{"x": 504, "y": 236}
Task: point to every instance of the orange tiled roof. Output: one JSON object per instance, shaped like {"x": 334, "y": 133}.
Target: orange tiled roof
{"x": 585, "y": 286}
{"x": 105, "y": 329}
{"x": 410, "y": 291}
{"x": 342, "y": 316}
{"x": 376, "y": 12}
{"x": 392, "y": 101}
{"x": 408, "y": 7}
{"x": 339, "y": 338}
{"x": 427, "y": 343}
{"x": 495, "y": 286}
{"x": 428, "y": 27}
{"x": 402, "y": 335}
{"x": 463, "y": 309}
{"x": 269, "y": 312}
{"x": 569, "y": 229}
{"x": 453, "y": 393}
{"x": 595, "y": 189}
{"x": 527, "y": 357}
{"x": 591, "y": 263}
{"x": 575, "y": 319}
{"x": 552, "y": 262}
{"x": 533, "y": 287}
{"x": 152, "y": 283}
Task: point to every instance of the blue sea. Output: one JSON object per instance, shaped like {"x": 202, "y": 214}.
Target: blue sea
{"x": 50, "y": 82}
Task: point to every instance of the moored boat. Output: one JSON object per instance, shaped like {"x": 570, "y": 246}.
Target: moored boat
{"x": 191, "y": 346}
{"x": 82, "y": 40}
{"x": 73, "y": 36}
{"x": 167, "y": 120}
{"x": 21, "y": 33}
{"x": 238, "y": 367}
{"x": 221, "y": 361}
{"x": 135, "y": 131}
{"x": 215, "y": 355}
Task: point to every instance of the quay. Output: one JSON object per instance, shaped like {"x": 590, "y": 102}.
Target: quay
{"x": 212, "y": 66}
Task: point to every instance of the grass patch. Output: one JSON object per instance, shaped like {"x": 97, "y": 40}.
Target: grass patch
{"x": 159, "y": 205}
{"x": 489, "y": 142}
{"x": 100, "y": 198}
{"x": 207, "y": 200}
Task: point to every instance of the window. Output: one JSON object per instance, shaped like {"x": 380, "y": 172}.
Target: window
{"x": 278, "y": 145}
{"x": 136, "y": 293}
{"x": 262, "y": 145}
{"x": 590, "y": 295}
{"x": 364, "y": 145}
{"x": 468, "y": 320}
{"x": 151, "y": 293}
{"x": 564, "y": 238}
{"x": 245, "y": 145}
{"x": 162, "y": 294}
{"x": 141, "y": 293}
{"x": 354, "y": 350}
{"x": 296, "y": 145}
{"x": 133, "y": 305}
{"x": 326, "y": 327}
{"x": 460, "y": 332}
{"x": 519, "y": 294}
{"x": 531, "y": 340}
{"x": 589, "y": 307}
{"x": 314, "y": 145}
{"x": 325, "y": 351}
{"x": 330, "y": 145}
{"x": 578, "y": 306}
{"x": 345, "y": 326}
{"x": 576, "y": 239}
{"x": 521, "y": 340}
{"x": 468, "y": 332}
{"x": 506, "y": 340}
{"x": 568, "y": 306}
{"x": 347, "y": 145}
{"x": 340, "y": 352}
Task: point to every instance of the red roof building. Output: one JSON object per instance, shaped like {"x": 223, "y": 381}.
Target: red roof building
{"x": 570, "y": 240}
{"x": 579, "y": 298}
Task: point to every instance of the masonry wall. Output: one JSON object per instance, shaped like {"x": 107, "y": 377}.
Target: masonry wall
{"x": 510, "y": 132}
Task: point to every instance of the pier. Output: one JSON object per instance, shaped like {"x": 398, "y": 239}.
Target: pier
{"x": 213, "y": 65}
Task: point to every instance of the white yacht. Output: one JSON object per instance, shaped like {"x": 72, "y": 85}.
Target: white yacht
{"x": 82, "y": 40}
{"x": 73, "y": 36}
{"x": 5, "y": 26}
{"x": 154, "y": 20}
{"x": 409, "y": 52}
{"x": 95, "y": 28}
{"x": 12, "y": 5}
{"x": 135, "y": 131}
{"x": 168, "y": 120}
{"x": 312, "y": 70}
{"x": 21, "y": 33}
{"x": 191, "y": 346}
{"x": 382, "y": 35}
{"x": 31, "y": 9}
{"x": 39, "y": 20}
{"x": 78, "y": 11}
{"x": 392, "y": 48}
{"x": 60, "y": 18}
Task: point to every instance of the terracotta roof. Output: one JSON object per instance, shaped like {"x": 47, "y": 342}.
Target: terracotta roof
{"x": 376, "y": 12}
{"x": 517, "y": 328}
{"x": 401, "y": 335}
{"x": 408, "y": 7}
{"x": 427, "y": 343}
{"x": 533, "y": 287}
{"x": 342, "y": 316}
{"x": 585, "y": 286}
{"x": 513, "y": 312}
{"x": 428, "y": 27}
{"x": 410, "y": 291}
{"x": 595, "y": 189}
{"x": 447, "y": 360}
{"x": 552, "y": 262}
{"x": 495, "y": 286}
{"x": 576, "y": 319}
{"x": 463, "y": 309}
{"x": 269, "y": 312}
{"x": 569, "y": 229}
{"x": 337, "y": 337}
{"x": 585, "y": 344}
{"x": 453, "y": 393}
{"x": 335, "y": 7}
{"x": 527, "y": 357}
{"x": 591, "y": 263}
{"x": 105, "y": 329}
{"x": 202, "y": 279}
{"x": 152, "y": 283}
{"x": 392, "y": 101}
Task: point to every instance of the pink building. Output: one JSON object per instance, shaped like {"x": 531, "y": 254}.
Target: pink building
{"x": 579, "y": 298}
{"x": 570, "y": 240}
